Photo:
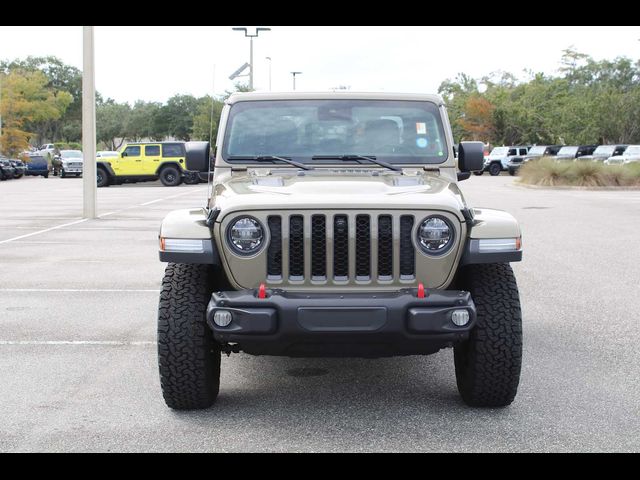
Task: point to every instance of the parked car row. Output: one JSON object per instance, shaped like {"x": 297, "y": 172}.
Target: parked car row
{"x": 11, "y": 168}
{"x": 136, "y": 162}
{"x": 511, "y": 158}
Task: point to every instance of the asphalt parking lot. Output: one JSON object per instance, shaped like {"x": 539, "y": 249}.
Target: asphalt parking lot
{"x": 78, "y": 369}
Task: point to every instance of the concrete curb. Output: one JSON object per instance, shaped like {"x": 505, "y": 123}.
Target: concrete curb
{"x": 573, "y": 187}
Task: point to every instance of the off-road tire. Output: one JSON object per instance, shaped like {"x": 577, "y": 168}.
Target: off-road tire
{"x": 170, "y": 176}
{"x": 188, "y": 356}
{"x": 102, "y": 177}
{"x": 495, "y": 169}
{"x": 512, "y": 172}
{"x": 488, "y": 363}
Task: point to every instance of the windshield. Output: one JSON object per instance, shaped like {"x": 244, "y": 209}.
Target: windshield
{"x": 499, "y": 151}
{"x": 71, "y": 154}
{"x": 537, "y": 150}
{"x": 605, "y": 150}
{"x": 633, "y": 150}
{"x": 392, "y": 131}
{"x": 571, "y": 151}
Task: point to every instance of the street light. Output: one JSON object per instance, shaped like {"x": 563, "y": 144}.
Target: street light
{"x": 269, "y": 58}
{"x": 251, "y": 37}
{"x": 294, "y": 78}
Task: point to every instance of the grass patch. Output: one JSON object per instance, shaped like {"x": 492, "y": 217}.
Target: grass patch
{"x": 548, "y": 173}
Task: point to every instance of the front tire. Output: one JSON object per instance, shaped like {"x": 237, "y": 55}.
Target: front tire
{"x": 170, "y": 177}
{"x": 488, "y": 363}
{"x": 188, "y": 356}
{"x": 495, "y": 169}
{"x": 102, "y": 177}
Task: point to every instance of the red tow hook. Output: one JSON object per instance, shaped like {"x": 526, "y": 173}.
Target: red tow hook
{"x": 420, "y": 290}
{"x": 262, "y": 291}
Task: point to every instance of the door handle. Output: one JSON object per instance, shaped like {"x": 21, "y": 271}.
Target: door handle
{"x": 138, "y": 160}
{"x": 156, "y": 160}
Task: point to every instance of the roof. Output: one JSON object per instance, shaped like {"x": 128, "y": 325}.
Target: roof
{"x": 346, "y": 95}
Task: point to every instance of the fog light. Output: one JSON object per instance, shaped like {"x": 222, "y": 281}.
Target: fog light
{"x": 460, "y": 317}
{"x": 222, "y": 318}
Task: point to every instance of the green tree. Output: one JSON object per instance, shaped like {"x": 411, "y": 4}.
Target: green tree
{"x": 60, "y": 77}
{"x": 111, "y": 123}
{"x": 206, "y": 120}
{"x": 27, "y": 100}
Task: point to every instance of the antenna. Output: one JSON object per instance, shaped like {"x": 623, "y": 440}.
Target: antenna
{"x": 211, "y": 146}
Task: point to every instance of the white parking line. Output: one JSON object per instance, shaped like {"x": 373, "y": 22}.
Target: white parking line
{"x": 43, "y": 231}
{"x": 99, "y": 216}
{"x": 74, "y": 342}
{"x": 80, "y": 290}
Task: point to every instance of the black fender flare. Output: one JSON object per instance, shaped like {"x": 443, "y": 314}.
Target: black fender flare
{"x": 106, "y": 166}
{"x": 176, "y": 164}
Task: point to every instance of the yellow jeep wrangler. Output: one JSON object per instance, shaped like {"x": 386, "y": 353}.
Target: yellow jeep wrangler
{"x": 139, "y": 162}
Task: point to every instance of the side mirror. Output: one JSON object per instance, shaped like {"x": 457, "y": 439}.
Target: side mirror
{"x": 197, "y": 156}
{"x": 470, "y": 156}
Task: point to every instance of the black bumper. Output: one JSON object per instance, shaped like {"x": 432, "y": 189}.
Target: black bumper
{"x": 363, "y": 324}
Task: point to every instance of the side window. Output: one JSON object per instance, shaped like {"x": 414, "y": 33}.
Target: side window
{"x": 152, "y": 150}
{"x": 512, "y": 151}
{"x": 132, "y": 151}
{"x": 523, "y": 151}
{"x": 173, "y": 150}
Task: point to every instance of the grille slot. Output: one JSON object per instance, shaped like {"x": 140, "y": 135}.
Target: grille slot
{"x": 318, "y": 247}
{"x": 363, "y": 247}
{"x": 340, "y": 247}
{"x": 274, "y": 252}
{"x": 385, "y": 248}
{"x": 296, "y": 247}
{"x": 407, "y": 251}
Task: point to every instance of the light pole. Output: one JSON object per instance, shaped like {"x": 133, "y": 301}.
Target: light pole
{"x": 269, "y": 58}
{"x": 88, "y": 124}
{"x": 294, "y": 78}
{"x": 251, "y": 37}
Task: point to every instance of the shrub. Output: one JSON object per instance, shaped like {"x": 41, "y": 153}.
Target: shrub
{"x": 548, "y": 172}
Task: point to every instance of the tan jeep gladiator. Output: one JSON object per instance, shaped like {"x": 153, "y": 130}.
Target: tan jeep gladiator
{"x": 335, "y": 226}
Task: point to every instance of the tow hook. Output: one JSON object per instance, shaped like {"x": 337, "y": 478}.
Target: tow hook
{"x": 229, "y": 348}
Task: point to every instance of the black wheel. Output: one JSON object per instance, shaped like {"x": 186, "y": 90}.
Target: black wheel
{"x": 512, "y": 171}
{"x": 495, "y": 169}
{"x": 102, "y": 177}
{"x": 188, "y": 356}
{"x": 62, "y": 174}
{"x": 45, "y": 175}
{"x": 488, "y": 363}
{"x": 170, "y": 177}
{"x": 479, "y": 173}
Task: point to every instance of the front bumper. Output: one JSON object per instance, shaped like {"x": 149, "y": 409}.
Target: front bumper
{"x": 373, "y": 324}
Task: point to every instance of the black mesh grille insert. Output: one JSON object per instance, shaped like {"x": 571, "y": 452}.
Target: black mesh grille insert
{"x": 363, "y": 246}
{"x": 340, "y": 246}
{"x": 274, "y": 252}
{"x": 318, "y": 246}
{"x": 385, "y": 246}
{"x": 407, "y": 253}
{"x": 296, "y": 246}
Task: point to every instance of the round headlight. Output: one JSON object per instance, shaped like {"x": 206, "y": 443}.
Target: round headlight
{"x": 245, "y": 235}
{"x": 435, "y": 235}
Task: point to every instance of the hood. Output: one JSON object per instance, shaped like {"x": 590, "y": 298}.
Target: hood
{"x": 337, "y": 189}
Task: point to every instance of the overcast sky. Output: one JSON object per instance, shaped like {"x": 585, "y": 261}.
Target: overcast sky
{"x": 154, "y": 63}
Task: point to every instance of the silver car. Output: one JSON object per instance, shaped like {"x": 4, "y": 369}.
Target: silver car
{"x": 630, "y": 155}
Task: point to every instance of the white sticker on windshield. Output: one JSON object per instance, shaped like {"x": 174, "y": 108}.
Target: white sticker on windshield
{"x": 421, "y": 128}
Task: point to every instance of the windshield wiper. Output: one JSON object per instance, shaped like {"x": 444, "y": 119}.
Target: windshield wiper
{"x": 270, "y": 158}
{"x": 369, "y": 158}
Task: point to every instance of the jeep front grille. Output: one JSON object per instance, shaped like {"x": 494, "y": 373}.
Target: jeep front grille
{"x": 340, "y": 248}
